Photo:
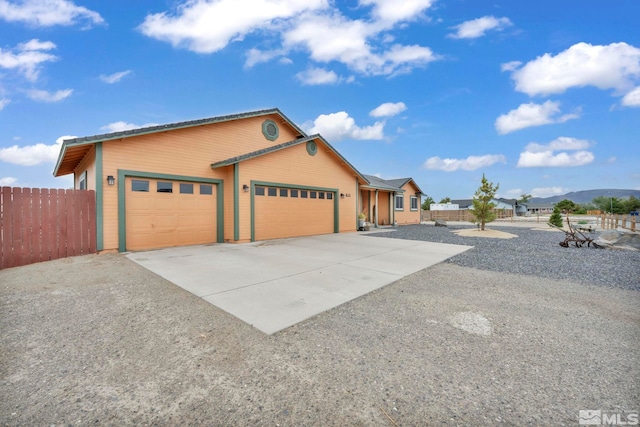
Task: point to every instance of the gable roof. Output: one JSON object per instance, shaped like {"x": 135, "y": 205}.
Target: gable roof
{"x": 262, "y": 152}
{"x": 389, "y": 184}
{"x": 462, "y": 202}
{"x": 73, "y": 150}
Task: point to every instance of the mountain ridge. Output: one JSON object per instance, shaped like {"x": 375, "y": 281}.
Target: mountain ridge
{"x": 586, "y": 196}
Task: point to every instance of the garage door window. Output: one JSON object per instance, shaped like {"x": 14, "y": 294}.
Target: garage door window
{"x": 165, "y": 187}
{"x": 186, "y": 188}
{"x": 330, "y": 196}
{"x": 294, "y": 193}
{"x": 273, "y": 192}
{"x": 304, "y": 194}
{"x": 284, "y": 192}
{"x": 321, "y": 195}
{"x": 259, "y": 191}
{"x": 313, "y": 194}
{"x": 206, "y": 190}
{"x": 139, "y": 185}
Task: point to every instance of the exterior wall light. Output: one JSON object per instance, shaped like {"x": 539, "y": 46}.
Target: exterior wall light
{"x": 111, "y": 180}
{"x": 245, "y": 188}
{"x": 342, "y": 195}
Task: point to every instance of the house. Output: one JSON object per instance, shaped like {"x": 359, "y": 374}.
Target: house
{"x": 234, "y": 178}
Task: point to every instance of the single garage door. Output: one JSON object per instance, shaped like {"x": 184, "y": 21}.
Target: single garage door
{"x": 162, "y": 213}
{"x": 288, "y": 212}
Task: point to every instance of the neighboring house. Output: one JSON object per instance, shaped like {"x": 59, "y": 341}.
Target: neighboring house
{"x": 463, "y": 203}
{"x": 235, "y": 178}
{"x": 539, "y": 208}
{"x": 501, "y": 204}
{"x": 444, "y": 206}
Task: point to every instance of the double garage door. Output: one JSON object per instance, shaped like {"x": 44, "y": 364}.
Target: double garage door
{"x": 290, "y": 212}
{"x": 164, "y": 213}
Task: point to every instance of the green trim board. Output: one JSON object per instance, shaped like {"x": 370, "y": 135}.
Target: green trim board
{"x": 99, "y": 199}
{"x": 122, "y": 211}
{"x": 336, "y": 201}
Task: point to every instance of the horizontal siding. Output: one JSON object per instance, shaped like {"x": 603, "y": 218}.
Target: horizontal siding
{"x": 296, "y": 167}
{"x": 187, "y": 152}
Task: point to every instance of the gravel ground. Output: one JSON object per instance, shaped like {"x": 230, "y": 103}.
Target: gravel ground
{"x": 535, "y": 253}
{"x": 99, "y": 340}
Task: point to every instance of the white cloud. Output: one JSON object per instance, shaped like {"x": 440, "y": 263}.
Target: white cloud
{"x": 338, "y": 126}
{"x": 4, "y": 102}
{"x": 122, "y": 126}
{"x": 531, "y": 114}
{"x": 632, "y": 99}
{"x": 317, "y": 76}
{"x": 511, "y": 194}
{"x": 470, "y": 163}
{"x": 392, "y": 11}
{"x": 7, "y": 181}
{"x": 32, "y": 155}
{"x": 314, "y": 26}
{"x": 615, "y": 66}
{"x": 115, "y": 77}
{"x": 45, "y": 96}
{"x": 539, "y": 155}
{"x": 510, "y": 66}
{"x": 388, "y": 109}
{"x": 478, "y": 27}
{"x": 27, "y": 57}
{"x": 46, "y": 13}
{"x": 548, "y": 191}
{"x": 208, "y": 26}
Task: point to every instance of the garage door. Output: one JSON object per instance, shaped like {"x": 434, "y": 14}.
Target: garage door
{"x": 287, "y": 212}
{"x": 162, "y": 213}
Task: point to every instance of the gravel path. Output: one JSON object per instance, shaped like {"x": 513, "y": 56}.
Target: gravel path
{"x": 99, "y": 340}
{"x": 534, "y": 253}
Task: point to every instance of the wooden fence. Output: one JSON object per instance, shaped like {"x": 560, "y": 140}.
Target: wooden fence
{"x": 41, "y": 224}
{"x": 615, "y": 221}
{"x": 461, "y": 215}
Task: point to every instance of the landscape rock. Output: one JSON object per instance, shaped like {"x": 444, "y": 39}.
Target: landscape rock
{"x": 619, "y": 239}
{"x": 441, "y": 223}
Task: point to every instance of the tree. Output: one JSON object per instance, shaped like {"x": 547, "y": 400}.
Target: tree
{"x": 556, "y": 217}
{"x": 426, "y": 205}
{"x": 524, "y": 198}
{"x": 567, "y": 205}
{"x": 631, "y": 204}
{"x": 446, "y": 200}
{"x": 482, "y": 206}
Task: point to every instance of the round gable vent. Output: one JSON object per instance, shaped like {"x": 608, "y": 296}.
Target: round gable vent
{"x": 312, "y": 148}
{"x": 270, "y": 130}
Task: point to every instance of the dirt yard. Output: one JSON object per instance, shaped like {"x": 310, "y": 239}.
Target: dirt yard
{"x": 98, "y": 340}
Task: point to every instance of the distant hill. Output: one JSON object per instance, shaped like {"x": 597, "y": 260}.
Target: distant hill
{"x": 587, "y": 196}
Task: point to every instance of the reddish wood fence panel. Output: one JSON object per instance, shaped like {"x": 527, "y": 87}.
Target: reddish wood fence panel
{"x": 41, "y": 224}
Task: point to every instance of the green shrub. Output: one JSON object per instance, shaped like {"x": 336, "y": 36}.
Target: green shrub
{"x": 556, "y": 217}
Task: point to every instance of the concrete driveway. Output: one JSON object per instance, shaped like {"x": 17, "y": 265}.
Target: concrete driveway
{"x": 275, "y": 284}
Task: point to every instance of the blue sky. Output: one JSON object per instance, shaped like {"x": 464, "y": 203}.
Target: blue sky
{"x": 543, "y": 97}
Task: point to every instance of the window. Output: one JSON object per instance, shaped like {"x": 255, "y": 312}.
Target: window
{"x": 139, "y": 185}
{"x": 321, "y": 195}
{"x": 259, "y": 191}
{"x": 400, "y": 202}
{"x": 303, "y": 194}
{"x": 312, "y": 194}
{"x": 294, "y": 193}
{"x": 414, "y": 203}
{"x": 186, "y": 188}
{"x": 273, "y": 192}
{"x": 165, "y": 187}
{"x": 206, "y": 189}
{"x": 82, "y": 182}
{"x": 330, "y": 196}
{"x": 284, "y": 192}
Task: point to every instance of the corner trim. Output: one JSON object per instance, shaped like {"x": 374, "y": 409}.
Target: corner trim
{"x": 236, "y": 202}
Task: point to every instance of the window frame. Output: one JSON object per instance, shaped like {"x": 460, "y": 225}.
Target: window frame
{"x": 140, "y": 181}
{"x": 411, "y": 200}
{"x": 395, "y": 202}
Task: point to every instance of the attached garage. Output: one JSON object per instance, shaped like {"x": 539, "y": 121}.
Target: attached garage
{"x": 288, "y": 211}
{"x": 163, "y": 213}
